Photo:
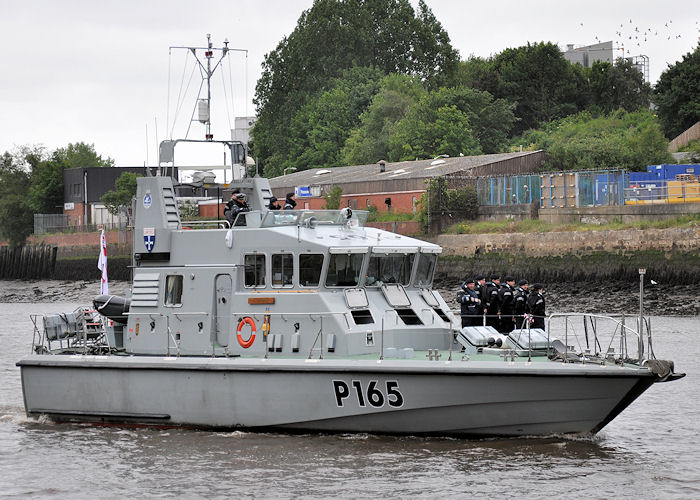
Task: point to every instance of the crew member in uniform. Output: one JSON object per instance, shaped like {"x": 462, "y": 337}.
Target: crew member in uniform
{"x": 492, "y": 304}
{"x": 469, "y": 303}
{"x": 290, "y": 203}
{"x": 480, "y": 288}
{"x": 520, "y": 303}
{"x": 273, "y": 205}
{"x": 536, "y": 306}
{"x": 505, "y": 299}
{"x": 236, "y": 205}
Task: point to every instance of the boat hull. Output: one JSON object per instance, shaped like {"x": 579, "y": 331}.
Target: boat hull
{"x": 437, "y": 398}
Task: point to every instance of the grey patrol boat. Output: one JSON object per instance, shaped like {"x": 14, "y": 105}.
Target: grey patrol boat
{"x": 309, "y": 321}
{"x": 306, "y": 320}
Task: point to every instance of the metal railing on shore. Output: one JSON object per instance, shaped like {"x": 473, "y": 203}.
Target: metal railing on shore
{"x": 686, "y": 192}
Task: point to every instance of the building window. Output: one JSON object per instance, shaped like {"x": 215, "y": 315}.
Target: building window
{"x": 354, "y": 204}
{"x": 282, "y": 269}
{"x": 254, "y": 270}
{"x": 367, "y": 202}
{"x": 415, "y": 204}
{"x": 173, "y": 290}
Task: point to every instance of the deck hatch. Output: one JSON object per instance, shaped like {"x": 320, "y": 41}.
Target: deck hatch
{"x": 396, "y": 295}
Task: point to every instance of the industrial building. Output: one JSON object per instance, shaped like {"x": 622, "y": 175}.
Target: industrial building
{"x": 397, "y": 186}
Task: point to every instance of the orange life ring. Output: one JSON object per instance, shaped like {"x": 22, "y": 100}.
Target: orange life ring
{"x": 245, "y": 344}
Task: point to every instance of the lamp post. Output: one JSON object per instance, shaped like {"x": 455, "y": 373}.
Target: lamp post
{"x": 291, "y": 169}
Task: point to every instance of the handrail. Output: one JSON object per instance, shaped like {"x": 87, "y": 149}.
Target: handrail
{"x": 220, "y": 222}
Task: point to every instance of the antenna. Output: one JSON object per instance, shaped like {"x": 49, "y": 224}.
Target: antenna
{"x": 207, "y": 65}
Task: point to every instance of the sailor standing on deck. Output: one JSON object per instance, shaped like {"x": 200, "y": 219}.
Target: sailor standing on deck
{"x": 470, "y": 304}
{"x": 492, "y": 304}
{"x": 535, "y": 303}
{"x": 290, "y": 203}
{"x": 505, "y": 298}
{"x": 480, "y": 288}
{"x": 273, "y": 205}
{"x": 235, "y": 206}
{"x": 520, "y": 303}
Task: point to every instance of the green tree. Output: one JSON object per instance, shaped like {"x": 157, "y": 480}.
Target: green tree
{"x": 121, "y": 196}
{"x": 332, "y": 37}
{"x": 16, "y": 217}
{"x": 677, "y": 95}
{"x": 477, "y": 73}
{"x": 618, "y": 140}
{"x": 333, "y": 198}
{"x": 321, "y": 127}
{"x": 619, "y": 86}
{"x": 452, "y": 121}
{"x": 541, "y": 82}
{"x": 439, "y": 201}
{"x": 369, "y": 142}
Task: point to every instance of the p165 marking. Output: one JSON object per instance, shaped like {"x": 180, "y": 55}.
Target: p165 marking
{"x": 371, "y": 395}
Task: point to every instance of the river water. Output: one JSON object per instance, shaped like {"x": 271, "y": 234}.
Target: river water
{"x": 651, "y": 450}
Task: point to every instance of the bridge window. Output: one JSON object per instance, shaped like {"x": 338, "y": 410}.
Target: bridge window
{"x": 426, "y": 269}
{"x": 310, "y": 265}
{"x": 389, "y": 268}
{"x": 254, "y": 270}
{"x": 344, "y": 269}
{"x": 282, "y": 269}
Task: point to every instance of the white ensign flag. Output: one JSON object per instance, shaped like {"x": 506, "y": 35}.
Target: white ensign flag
{"x": 102, "y": 264}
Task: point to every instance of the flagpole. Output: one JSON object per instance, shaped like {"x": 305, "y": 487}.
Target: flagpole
{"x": 102, "y": 264}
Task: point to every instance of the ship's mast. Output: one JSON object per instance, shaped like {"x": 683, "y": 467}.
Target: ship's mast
{"x": 207, "y": 67}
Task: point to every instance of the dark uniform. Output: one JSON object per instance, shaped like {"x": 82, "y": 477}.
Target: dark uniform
{"x": 235, "y": 206}
{"x": 480, "y": 289}
{"x": 492, "y": 304}
{"x": 470, "y": 304}
{"x": 505, "y": 298}
{"x": 536, "y": 306}
{"x": 520, "y": 303}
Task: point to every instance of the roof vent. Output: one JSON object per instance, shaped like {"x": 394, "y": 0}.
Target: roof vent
{"x": 382, "y": 166}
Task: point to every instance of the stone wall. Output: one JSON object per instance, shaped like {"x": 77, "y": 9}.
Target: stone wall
{"x": 573, "y": 242}
{"x": 624, "y": 213}
{"x": 521, "y": 211}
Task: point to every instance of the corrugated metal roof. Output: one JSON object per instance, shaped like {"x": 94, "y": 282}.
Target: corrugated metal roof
{"x": 398, "y": 170}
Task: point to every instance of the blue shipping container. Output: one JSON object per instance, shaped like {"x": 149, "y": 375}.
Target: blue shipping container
{"x": 669, "y": 171}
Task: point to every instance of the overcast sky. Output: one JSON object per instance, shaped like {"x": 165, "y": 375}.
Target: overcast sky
{"x": 98, "y": 71}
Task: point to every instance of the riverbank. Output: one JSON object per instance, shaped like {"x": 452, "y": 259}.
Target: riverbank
{"x": 586, "y": 296}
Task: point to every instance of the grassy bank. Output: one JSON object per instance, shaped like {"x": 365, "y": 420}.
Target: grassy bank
{"x": 540, "y": 226}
